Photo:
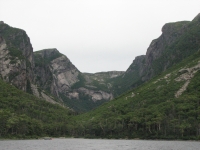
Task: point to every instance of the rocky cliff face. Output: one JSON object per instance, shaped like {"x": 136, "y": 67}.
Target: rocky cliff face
{"x": 49, "y": 72}
{"x": 171, "y": 32}
{"x": 17, "y": 61}
{"x": 16, "y": 57}
{"x": 177, "y": 41}
{"x": 46, "y": 74}
{"x": 56, "y": 74}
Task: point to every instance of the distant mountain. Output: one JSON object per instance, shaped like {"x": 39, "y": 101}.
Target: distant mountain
{"x": 58, "y": 76}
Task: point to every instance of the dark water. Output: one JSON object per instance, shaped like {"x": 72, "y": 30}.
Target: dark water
{"x": 88, "y": 144}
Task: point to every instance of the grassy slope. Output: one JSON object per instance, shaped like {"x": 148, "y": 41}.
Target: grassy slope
{"x": 153, "y": 112}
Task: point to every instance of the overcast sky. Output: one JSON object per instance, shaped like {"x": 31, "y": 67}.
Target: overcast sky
{"x": 96, "y": 35}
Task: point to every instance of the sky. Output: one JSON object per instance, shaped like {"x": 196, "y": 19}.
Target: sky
{"x": 96, "y": 35}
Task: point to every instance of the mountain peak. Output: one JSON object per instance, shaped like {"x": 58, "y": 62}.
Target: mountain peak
{"x": 47, "y": 53}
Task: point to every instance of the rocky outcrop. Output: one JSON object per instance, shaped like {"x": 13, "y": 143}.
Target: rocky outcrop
{"x": 16, "y": 57}
{"x": 64, "y": 73}
{"x": 56, "y": 74}
{"x": 186, "y": 75}
{"x": 177, "y": 41}
{"x": 49, "y": 72}
{"x": 137, "y": 65}
{"x": 96, "y": 95}
{"x": 17, "y": 61}
{"x": 170, "y": 33}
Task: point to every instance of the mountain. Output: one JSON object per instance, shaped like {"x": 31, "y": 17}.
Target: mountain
{"x": 159, "y": 92}
{"x": 16, "y": 54}
{"x": 166, "y": 107}
{"x": 52, "y": 76}
{"x": 48, "y": 74}
{"x": 55, "y": 74}
{"x": 17, "y": 61}
{"x": 177, "y": 41}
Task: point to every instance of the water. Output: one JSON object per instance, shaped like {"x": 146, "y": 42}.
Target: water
{"x": 94, "y": 144}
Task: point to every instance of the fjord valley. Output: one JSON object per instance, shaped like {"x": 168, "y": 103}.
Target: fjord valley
{"x": 44, "y": 94}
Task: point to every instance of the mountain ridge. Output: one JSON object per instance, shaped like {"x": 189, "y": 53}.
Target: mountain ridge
{"x": 158, "y": 97}
{"x": 177, "y": 41}
{"x": 51, "y": 75}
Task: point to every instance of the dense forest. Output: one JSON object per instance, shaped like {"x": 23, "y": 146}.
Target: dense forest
{"x": 158, "y": 97}
{"x": 153, "y": 110}
{"x": 24, "y": 116}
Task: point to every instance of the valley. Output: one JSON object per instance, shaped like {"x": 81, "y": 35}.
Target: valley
{"x": 43, "y": 94}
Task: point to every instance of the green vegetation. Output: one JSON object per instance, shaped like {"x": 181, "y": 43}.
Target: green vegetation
{"x": 41, "y": 61}
{"x": 149, "y": 111}
{"x": 83, "y": 104}
{"x": 24, "y": 116}
{"x": 14, "y": 39}
{"x": 152, "y": 110}
{"x": 182, "y": 47}
{"x": 80, "y": 83}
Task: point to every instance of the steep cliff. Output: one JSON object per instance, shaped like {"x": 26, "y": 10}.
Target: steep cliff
{"x": 177, "y": 41}
{"x": 50, "y": 75}
{"x": 56, "y": 74}
{"x": 132, "y": 75}
{"x": 17, "y": 61}
{"x": 16, "y": 57}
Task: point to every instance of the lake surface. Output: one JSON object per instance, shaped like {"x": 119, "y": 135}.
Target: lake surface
{"x": 95, "y": 144}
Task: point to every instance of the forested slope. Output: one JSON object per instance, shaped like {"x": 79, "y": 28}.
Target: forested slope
{"x": 23, "y": 115}
{"x": 166, "y": 107}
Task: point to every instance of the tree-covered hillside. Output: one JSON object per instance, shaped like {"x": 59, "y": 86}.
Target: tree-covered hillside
{"x": 23, "y": 115}
{"x": 166, "y": 107}
{"x": 164, "y": 104}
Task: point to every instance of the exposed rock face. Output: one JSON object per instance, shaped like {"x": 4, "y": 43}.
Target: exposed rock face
{"x": 65, "y": 74}
{"x": 186, "y": 75}
{"x": 17, "y": 61}
{"x": 96, "y": 95}
{"x": 170, "y": 33}
{"x": 177, "y": 41}
{"x": 55, "y": 71}
{"x": 48, "y": 72}
{"x": 16, "y": 57}
{"x": 137, "y": 65}
{"x": 56, "y": 74}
